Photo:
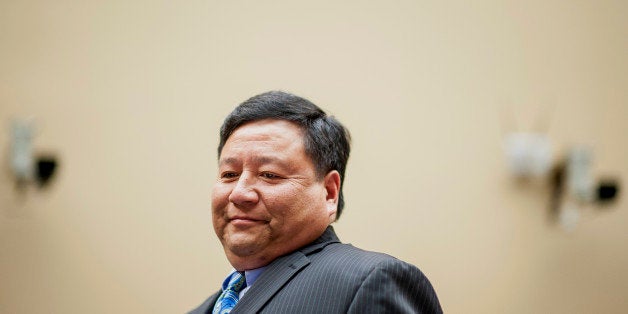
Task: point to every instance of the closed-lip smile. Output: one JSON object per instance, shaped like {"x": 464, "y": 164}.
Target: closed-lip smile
{"x": 244, "y": 220}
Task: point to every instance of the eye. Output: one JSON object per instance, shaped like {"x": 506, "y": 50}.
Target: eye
{"x": 228, "y": 175}
{"x": 269, "y": 175}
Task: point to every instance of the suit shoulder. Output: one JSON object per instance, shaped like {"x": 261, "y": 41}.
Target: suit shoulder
{"x": 384, "y": 278}
{"x": 368, "y": 279}
{"x": 369, "y": 257}
{"x": 346, "y": 258}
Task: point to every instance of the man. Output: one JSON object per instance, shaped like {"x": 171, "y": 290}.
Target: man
{"x": 281, "y": 166}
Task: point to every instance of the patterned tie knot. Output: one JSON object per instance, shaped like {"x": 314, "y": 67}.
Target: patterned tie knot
{"x": 230, "y": 293}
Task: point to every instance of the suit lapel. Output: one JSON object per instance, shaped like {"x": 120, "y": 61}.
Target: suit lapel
{"x": 207, "y": 306}
{"x": 279, "y": 272}
{"x": 274, "y": 277}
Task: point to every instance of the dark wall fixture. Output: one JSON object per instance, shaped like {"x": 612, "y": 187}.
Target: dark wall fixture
{"x": 26, "y": 166}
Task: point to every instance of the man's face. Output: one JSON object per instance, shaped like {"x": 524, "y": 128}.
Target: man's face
{"x": 268, "y": 200}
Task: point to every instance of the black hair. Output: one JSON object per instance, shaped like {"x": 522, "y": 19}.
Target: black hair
{"x": 327, "y": 142}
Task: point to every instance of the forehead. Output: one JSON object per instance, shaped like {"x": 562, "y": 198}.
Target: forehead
{"x": 267, "y": 129}
{"x": 264, "y": 137}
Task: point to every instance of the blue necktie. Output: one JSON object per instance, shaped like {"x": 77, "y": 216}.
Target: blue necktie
{"x": 230, "y": 294}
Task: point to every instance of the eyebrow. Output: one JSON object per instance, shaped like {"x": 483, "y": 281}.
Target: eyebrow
{"x": 258, "y": 159}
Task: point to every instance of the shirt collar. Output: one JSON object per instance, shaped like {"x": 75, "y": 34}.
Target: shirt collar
{"x": 251, "y": 275}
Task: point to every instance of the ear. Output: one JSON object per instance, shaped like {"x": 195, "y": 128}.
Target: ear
{"x": 332, "y": 187}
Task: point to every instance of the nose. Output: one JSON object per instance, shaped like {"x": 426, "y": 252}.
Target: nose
{"x": 243, "y": 193}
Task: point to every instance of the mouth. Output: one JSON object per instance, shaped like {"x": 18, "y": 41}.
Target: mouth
{"x": 240, "y": 221}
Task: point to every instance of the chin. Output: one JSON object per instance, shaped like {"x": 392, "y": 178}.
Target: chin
{"x": 241, "y": 247}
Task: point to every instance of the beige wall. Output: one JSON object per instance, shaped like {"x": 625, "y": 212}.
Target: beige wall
{"x": 130, "y": 95}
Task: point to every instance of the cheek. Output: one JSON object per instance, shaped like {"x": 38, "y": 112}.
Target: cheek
{"x": 220, "y": 197}
{"x": 278, "y": 200}
{"x": 287, "y": 204}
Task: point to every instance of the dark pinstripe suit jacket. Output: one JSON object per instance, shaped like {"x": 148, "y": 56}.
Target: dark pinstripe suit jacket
{"x": 327, "y": 276}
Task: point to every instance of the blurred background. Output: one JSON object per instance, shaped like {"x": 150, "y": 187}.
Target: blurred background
{"x": 128, "y": 96}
